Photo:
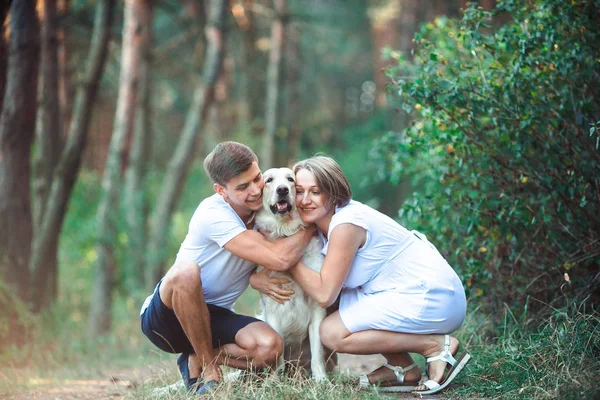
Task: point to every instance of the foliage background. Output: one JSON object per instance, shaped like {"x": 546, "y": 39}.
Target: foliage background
{"x": 504, "y": 152}
{"x": 485, "y": 137}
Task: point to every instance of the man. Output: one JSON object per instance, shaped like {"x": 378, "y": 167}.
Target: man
{"x": 190, "y": 311}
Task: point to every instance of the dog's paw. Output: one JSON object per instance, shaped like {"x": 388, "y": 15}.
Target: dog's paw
{"x": 319, "y": 374}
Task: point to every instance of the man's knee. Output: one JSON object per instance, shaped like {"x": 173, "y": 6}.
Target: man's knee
{"x": 182, "y": 278}
{"x": 269, "y": 348}
{"x": 264, "y": 346}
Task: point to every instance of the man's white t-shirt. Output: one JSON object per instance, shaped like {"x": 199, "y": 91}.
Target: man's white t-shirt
{"x": 224, "y": 275}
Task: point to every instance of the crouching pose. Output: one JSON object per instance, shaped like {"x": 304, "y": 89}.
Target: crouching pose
{"x": 397, "y": 293}
{"x": 191, "y": 309}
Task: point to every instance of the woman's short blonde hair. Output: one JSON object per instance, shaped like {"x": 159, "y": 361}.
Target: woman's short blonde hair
{"x": 330, "y": 179}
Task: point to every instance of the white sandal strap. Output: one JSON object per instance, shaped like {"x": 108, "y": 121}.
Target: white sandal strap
{"x": 399, "y": 371}
{"x": 445, "y": 355}
{"x": 431, "y": 384}
{"x": 363, "y": 381}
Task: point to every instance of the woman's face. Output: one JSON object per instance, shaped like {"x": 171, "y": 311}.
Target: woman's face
{"x": 311, "y": 202}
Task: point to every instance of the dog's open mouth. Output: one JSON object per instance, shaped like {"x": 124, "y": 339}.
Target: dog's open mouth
{"x": 281, "y": 207}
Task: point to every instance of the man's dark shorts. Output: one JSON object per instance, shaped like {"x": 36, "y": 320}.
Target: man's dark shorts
{"x": 162, "y": 327}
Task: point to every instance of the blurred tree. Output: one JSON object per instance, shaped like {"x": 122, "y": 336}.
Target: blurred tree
{"x": 134, "y": 31}
{"x": 293, "y": 111}
{"x": 17, "y": 130}
{"x": 45, "y": 244}
{"x": 65, "y": 88}
{"x": 136, "y": 207}
{"x": 247, "y": 60}
{"x": 49, "y": 132}
{"x": 384, "y": 33}
{"x": 4, "y": 8}
{"x": 273, "y": 109}
{"x": 183, "y": 156}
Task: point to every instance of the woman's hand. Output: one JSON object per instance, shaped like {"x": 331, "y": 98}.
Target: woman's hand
{"x": 264, "y": 283}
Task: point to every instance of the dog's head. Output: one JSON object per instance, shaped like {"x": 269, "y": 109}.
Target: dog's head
{"x": 279, "y": 194}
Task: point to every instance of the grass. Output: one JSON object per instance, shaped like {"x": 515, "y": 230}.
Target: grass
{"x": 261, "y": 386}
{"x": 557, "y": 360}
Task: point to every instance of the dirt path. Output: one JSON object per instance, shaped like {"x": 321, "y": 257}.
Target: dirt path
{"x": 116, "y": 385}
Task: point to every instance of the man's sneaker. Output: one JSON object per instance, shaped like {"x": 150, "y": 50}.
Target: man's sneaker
{"x": 207, "y": 387}
{"x": 182, "y": 363}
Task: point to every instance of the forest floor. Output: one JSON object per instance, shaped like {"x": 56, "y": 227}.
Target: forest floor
{"x": 117, "y": 384}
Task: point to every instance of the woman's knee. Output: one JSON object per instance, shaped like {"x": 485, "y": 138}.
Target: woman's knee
{"x": 331, "y": 337}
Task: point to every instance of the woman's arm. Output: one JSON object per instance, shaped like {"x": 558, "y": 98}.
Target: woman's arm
{"x": 324, "y": 287}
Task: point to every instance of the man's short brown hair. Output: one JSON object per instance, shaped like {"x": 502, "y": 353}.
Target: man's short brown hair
{"x": 228, "y": 160}
{"x": 330, "y": 179}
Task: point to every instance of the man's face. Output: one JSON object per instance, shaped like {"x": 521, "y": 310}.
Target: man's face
{"x": 244, "y": 192}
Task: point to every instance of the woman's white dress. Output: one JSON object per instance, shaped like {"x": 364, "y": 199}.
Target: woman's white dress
{"x": 398, "y": 281}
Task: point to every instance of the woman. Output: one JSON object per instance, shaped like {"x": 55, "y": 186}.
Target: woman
{"x": 397, "y": 293}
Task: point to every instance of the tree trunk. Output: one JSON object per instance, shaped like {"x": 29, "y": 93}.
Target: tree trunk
{"x": 184, "y": 154}
{"x": 136, "y": 208}
{"x": 488, "y": 5}
{"x": 294, "y": 109}
{"x": 49, "y": 134}
{"x": 17, "y": 129}
{"x": 65, "y": 83}
{"x": 108, "y": 209}
{"x": 4, "y": 8}
{"x": 244, "y": 61}
{"x": 49, "y": 129}
{"x": 247, "y": 63}
{"x": 408, "y": 24}
{"x": 433, "y": 10}
{"x": 46, "y": 239}
{"x": 273, "y": 84}
{"x": 394, "y": 29}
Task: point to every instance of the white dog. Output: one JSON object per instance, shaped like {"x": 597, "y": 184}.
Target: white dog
{"x": 301, "y": 314}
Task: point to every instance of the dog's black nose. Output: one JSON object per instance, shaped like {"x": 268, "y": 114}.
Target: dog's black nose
{"x": 283, "y": 190}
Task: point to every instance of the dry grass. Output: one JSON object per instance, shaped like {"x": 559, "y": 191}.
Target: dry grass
{"x": 258, "y": 386}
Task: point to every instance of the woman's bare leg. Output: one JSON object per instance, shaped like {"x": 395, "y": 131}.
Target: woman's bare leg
{"x": 336, "y": 336}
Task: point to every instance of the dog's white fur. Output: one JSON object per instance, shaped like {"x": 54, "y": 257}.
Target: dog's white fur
{"x": 301, "y": 314}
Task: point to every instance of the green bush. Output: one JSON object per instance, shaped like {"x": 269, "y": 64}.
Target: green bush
{"x": 504, "y": 147}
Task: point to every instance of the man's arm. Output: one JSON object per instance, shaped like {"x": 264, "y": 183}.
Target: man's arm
{"x": 278, "y": 255}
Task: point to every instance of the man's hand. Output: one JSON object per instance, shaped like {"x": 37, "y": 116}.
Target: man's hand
{"x": 264, "y": 283}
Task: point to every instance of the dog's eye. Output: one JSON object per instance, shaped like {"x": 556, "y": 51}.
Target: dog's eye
{"x": 269, "y": 180}
{"x": 291, "y": 179}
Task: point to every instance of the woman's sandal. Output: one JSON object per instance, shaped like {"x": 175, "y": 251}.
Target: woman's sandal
{"x": 450, "y": 373}
{"x": 398, "y": 385}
